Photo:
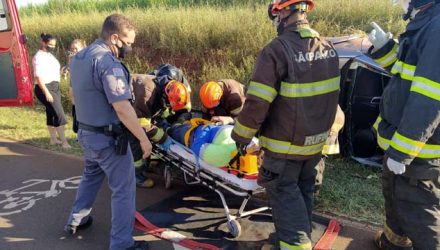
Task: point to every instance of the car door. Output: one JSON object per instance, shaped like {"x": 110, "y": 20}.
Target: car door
{"x": 15, "y": 76}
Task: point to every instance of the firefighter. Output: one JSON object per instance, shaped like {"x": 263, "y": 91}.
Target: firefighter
{"x": 153, "y": 94}
{"x": 291, "y": 104}
{"x": 222, "y": 100}
{"x": 159, "y": 95}
{"x": 408, "y": 128}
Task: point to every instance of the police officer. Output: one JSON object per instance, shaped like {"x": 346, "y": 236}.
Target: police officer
{"x": 408, "y": 128}
{"x": 291, "y": 102}
{"x": 100, "y": 84}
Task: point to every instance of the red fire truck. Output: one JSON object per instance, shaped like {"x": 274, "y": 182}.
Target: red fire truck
{"x": 15, "y": 76}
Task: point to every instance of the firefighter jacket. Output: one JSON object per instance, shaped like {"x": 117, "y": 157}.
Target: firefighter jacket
{"x": 292, "y": 97}
{"x": 232, "y": 100}
{"x": 147, "y": 102}
{"x": 408, "y": 125}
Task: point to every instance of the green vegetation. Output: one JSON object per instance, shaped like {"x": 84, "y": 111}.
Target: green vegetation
{"x": 208, "y": 42}
{"x": 351, "y": 190}
{"x": 87, "y": 6}
{"x": 208, "y": 39}
{"x": 28, "y": 125}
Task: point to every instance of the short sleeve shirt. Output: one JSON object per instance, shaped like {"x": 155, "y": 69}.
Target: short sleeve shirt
{"x": 46, "y": 67}
{"x": 114, "y": 79}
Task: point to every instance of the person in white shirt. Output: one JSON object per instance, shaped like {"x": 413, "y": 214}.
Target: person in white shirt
{"x": 47, "y": 89}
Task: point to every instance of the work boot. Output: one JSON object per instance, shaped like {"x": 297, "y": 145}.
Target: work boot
{"x": 382, "y": 242}
{"x": 139, "y": 245}
{"x": 73, "y": 229}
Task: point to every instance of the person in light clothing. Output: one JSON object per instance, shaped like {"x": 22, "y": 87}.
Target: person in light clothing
{"x": 47, "y": 89}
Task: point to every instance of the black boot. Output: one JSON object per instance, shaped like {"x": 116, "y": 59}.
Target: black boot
{"x": 383, "y": 243}
{"x": 139, "y": 245}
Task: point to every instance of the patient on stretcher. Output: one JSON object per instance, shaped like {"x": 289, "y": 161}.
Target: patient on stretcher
{"x": 212, "y": 143}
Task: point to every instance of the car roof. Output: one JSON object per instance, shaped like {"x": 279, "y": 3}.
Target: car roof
{"x": 354, "y": 47}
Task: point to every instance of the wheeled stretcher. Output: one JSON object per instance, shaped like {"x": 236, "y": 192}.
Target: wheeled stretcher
{"x": 196, "y": 171}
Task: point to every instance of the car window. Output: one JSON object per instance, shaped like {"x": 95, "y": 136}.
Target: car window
{"x": 4, "y": 17}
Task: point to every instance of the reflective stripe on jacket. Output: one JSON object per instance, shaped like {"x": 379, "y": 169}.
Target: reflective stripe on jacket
{"x": 408, "y": 126}
{"x": 292, "y": 96}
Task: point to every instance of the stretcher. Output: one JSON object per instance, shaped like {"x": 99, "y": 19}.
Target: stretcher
{"x": 197, "y": 172}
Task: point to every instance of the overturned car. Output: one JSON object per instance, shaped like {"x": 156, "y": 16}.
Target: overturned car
{"x": 362, "y": 84}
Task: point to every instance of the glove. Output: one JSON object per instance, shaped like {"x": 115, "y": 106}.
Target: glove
{"x": 241, "y": 148}
{"x": 166, "y": 144}
{"x": 378, "y": 37}
{"x": 396, "y": 167}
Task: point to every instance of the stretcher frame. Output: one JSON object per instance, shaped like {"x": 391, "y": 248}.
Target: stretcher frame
{"x": 216, "y": 184}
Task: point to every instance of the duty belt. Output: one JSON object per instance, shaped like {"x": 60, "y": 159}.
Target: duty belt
{"x": 92, "y": 128}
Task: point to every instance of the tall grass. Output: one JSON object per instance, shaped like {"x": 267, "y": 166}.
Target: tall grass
{"x": 87, "y": 6}
{"x": 208, "y": 42}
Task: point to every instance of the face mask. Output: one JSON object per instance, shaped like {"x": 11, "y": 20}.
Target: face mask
{"x": 50, "y": 49}
{"x": 124, "y": 50}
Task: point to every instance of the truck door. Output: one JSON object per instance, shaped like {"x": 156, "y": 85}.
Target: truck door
{"x": 15, "y": 76}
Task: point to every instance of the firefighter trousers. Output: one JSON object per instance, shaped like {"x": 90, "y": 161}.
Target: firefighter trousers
{"x": 290, "y": 185}
{"x": 412, "y": 210}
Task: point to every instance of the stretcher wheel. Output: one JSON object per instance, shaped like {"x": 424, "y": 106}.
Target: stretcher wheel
{"x": 167, "y": 177}
{"x": 234, "y": 228}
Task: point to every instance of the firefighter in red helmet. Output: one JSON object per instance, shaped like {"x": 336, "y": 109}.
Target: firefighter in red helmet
{"x": 290, "y": 105}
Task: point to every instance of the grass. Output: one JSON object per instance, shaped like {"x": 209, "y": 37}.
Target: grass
{"x": 86, "y": 6}
{"x": 28, "y": 125}
{"x": 351, "y": 190}
{"x": 208, "y": 42}
{"x": 208, "y": 39}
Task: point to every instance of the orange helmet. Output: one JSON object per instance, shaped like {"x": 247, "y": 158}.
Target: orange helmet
{"x": 278, "y": 5}
{"x": 177, "y": 94}
{"x": 210, "y": 94}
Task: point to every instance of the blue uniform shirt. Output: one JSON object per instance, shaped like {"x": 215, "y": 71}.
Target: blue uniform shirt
{"x": 98, "y": 79}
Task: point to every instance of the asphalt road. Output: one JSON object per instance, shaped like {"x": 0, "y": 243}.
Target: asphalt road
{"x": 37, "y": 188}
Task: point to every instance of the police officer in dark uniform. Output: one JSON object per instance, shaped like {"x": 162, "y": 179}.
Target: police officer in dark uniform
{"x": 100, "y": 84}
